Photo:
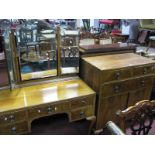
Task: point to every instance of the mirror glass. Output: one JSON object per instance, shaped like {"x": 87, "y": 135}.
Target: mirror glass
{"x": 69, "y": 51}
{"x": 9, "y": 58}
{"x": 36, "y": 47}
{"x": 4, "y": 81}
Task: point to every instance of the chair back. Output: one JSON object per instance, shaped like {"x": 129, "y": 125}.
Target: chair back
{"x": 139, "y": 118}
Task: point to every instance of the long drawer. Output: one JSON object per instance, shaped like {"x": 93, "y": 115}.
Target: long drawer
{"x": 125, "y": 86}
{"x": 49, "y": 109}
{"x": 119, "y": 74}
{"x": 11, "y": 117}
{"x": 16, "y": 128}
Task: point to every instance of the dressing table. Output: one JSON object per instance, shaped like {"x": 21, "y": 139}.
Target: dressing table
{"x": 21, "y": 106}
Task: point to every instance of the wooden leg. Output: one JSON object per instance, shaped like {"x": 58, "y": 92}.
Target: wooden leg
{"x": 93, "y": 120}
{"x": 97, "y": 132}
{"x": 149, "y": 45}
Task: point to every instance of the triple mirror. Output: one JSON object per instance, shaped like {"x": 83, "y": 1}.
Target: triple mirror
{"x": 36, "y": 50}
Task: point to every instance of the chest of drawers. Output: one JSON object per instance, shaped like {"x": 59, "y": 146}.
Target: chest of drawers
{"x": 120, "y": 80}
{"x": 20, "y": 107}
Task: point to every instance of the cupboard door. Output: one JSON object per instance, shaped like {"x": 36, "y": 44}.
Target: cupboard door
{"x": 138, "y": 95}
{"x": 108, "y": 107}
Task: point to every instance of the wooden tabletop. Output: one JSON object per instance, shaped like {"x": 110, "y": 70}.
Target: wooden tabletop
{"x": 85, "y": 49}
{"x": 114, "y": 61}
{"x": 43, "y": 94}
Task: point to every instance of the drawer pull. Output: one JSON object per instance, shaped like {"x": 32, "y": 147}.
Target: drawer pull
{"x": 153, "y": 67}
{"x": 39, "y": 111}
{"x": 14, "y": 129}
{"x": 116, "y": 89}
{"x": 49, "y": 109}
{"x": 55, "y": 108}
{"x": 142, "y": 82}
{"x": 145, "y": 70}
{"x": 117, "y": 75}
{"x": 12, "y": 117}
{"x": 82, "y": 114}
{"x": 84, "y": 102}
{"x": 5, "y": 118}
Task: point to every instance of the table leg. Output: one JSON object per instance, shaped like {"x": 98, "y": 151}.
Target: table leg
{"x": 93, "y": 120}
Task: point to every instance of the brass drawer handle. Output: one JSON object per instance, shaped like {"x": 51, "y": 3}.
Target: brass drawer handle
{"x": 14, "y": 129}
{"x": 5, "y": 118}
{"x": 153, "y": 67}
{"x": 116, "y": 89}
{"x": 117, "y": 75}
{"x": 145, "y": 71}
{"x": 84, "y": 102}
{"x": 39, "y": 111}
{"x": 142, "y": 82}
{"x": 55, "y": 108}
{"x": 12, "y": 117}
{"x": 49, "y": 109}
{"x": 82, "y": 114}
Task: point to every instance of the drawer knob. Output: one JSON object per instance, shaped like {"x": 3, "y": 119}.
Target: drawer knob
{"x": 5, "y": 118}
{"x": 117, "y": 75}
{"x": 116, "y": 89}
{"x": 82, "y": 114}
{"x": 49, "y": 109}
{"x": 13, "y": 129}
{"x": 84, "y": 102}
{"x": 153, "y": 67}
{"x": 142, "y": 82}
{"x": 39, "y": 111}
{"x": 12, "y": 117}
{"x": 145, "y": 70}
{"x": 55, "y": 108}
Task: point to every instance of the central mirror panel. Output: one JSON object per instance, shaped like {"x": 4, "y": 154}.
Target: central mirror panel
{"x": 36, "y": 47}
{"x": 69, "y": 51}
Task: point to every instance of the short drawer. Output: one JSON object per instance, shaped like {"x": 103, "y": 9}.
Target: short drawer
{"x": 11, "y": 117}
{"x": 82, "y": 113}
{"x": 14, "y": 129}
{"x": 143, "y": 82}
{"x": 115, "y": 88}
{"x": 112, "y": 75}
{"x": 77, "y": 103}
{"x": 50, "y": 109}
{"x": 143, "y": 70}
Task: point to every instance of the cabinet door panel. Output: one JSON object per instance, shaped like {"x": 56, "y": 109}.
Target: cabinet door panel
{"x": 138, "y": 95}
{"x": 108, "y": 107}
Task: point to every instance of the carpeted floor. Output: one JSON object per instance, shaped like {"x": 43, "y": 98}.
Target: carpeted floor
{"x": 59, "y": 125}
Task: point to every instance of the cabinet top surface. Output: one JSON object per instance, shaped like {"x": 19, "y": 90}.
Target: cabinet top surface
{"x": 114, "y": 61}
{"x": 115, "y": 46}
{"x": 43, "y": 94}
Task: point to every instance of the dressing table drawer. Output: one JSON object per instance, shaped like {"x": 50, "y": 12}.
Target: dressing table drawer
{"x": 40, "y": 111}
{"x": 14, "y": 129}
{"x": 12, "y": 117}
{"x": 82, "y": 113}
{"x": 85, "y": 101}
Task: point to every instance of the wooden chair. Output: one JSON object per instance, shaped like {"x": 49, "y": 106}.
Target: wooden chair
{"x": 137, "y": 119}
{"x": 112, "y": 129}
